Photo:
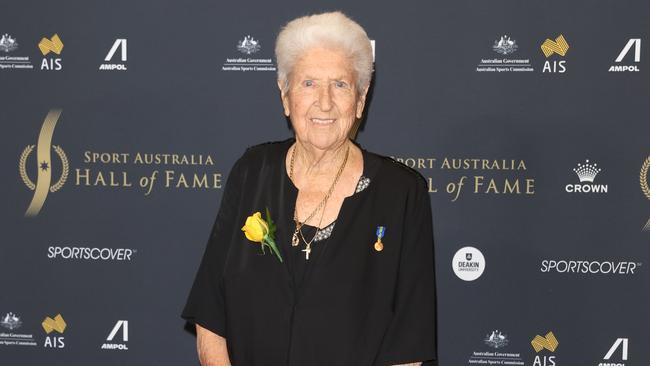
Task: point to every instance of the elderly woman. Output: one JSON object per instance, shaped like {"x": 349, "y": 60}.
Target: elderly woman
{"x": 322, "y": 252}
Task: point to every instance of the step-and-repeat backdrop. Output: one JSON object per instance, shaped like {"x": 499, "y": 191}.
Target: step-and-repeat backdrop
{"x": 122, "y": 119}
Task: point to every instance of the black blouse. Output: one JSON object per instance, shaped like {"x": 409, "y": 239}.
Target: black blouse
{"x": 350, "y": 304}
{"x": 319, "y": 242}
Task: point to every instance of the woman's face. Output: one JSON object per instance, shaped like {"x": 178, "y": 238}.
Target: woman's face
{"x": 323, "y": 101}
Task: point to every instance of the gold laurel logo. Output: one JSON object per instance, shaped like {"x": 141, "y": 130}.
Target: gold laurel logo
{"x": 643, "y": 177}
{"x": 57, "y": 324}
{"x": 22, "y": 163}
{"x": 548, "y": 342}
{"x": 53, "y": 44}
{"x": 44, "y": 164}
{"x": 643, "y": 181}
{"x": 559, "y": 46}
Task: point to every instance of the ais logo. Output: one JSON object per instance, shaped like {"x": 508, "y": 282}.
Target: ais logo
{"x": 549, "y": 343}
{"x": 557, "y": 47}
{"x": 53, "y": 45}
{"x": 54, "y": 325}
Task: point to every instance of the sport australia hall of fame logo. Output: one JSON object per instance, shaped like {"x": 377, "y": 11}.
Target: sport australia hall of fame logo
{"x": 46, "y": 180}
{"x": 645, "y": 187}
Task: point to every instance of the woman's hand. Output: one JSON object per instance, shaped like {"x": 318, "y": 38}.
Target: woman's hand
{"x": 211, "y": 348}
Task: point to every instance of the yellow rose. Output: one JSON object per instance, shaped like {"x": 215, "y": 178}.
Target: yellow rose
{"x": 255, "y": 228}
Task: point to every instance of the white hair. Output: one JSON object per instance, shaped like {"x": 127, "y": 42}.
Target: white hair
{"x": 333, "y": 29}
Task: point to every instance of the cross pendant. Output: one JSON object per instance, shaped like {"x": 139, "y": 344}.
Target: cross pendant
{"x": 307, "y": 250}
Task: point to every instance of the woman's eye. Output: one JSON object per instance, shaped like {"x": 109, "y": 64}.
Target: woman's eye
{"x": 309, "y": 83}
{"x": 341, "y": 84}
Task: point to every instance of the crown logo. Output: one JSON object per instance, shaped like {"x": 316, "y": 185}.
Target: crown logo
{"x": 587, "y": 172}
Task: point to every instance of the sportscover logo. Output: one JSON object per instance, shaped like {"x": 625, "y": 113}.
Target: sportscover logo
{"x": 589, "y": 267}
{"x": 84, "y": 253}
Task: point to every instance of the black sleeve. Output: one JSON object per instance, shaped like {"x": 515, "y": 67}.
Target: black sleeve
{"x": 411, "y": 336}
{"x": 205, "y": 304}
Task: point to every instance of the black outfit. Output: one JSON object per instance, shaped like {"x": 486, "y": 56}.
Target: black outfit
{"x": 348, "y": 304}
{"x": 319, "y": 243}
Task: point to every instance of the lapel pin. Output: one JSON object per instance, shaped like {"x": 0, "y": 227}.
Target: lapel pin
{"x": 381, "y": 230}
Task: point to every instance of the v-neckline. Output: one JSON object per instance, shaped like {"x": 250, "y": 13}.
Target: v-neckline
{"x": 285, "y": 151}
{"x": 340, "y": 219}
{"x": 294, "y": 190}
{"x": 356, "y": 191}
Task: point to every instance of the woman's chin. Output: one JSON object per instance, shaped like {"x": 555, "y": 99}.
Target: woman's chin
{"x": 324, "y": 142}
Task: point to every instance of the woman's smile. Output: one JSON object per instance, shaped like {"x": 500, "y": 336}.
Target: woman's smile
{"x": 323, "y": 121}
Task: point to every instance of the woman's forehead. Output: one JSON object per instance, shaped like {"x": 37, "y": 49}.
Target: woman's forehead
{"x": 324, "y": 62}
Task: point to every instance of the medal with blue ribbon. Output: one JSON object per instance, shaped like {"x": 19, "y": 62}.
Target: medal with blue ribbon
{"x": 381, "y": 230}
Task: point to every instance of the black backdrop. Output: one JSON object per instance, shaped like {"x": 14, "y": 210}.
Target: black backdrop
{"x": 498, "y": 142}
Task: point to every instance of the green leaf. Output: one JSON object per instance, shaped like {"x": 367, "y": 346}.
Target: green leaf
{"x": 270, "y": 223}
{"x": 268, "y": 217}
{"x": 271, "y": 243}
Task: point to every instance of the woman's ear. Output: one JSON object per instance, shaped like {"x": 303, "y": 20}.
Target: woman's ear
{"x": 361, "y": 103}
{"x": 284, "y": 97}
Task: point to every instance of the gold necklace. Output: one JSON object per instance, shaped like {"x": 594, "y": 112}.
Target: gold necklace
{"x": 295, "y": 239}
{"x": 307, "y": 249}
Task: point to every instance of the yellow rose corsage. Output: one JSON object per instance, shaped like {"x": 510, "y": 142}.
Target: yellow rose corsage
{"x": 260, "y": 231}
